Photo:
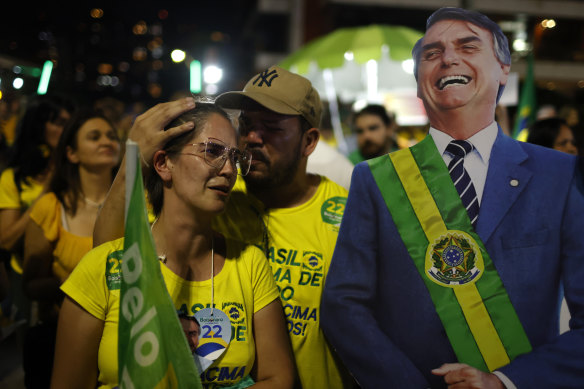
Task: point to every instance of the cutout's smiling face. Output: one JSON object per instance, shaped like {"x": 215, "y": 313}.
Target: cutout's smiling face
{"x": 458, "y": 67}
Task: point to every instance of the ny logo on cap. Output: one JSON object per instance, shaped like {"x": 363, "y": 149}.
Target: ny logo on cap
{"x": 266, "y": 78}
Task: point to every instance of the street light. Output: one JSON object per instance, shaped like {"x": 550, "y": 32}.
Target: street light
{"x": 178, "y": 55}
{"x": 18, "y": 83}
{"x": 212, "y": 74}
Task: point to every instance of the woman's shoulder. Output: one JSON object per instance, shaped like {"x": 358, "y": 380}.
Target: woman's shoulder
{"x": 101, "y": 261}
{"x": 11, "y": 196}
{"x": 96, "y": 278}
{"x": 47, "y": 203}
{"x": 7, "y": 176}
{"x": 8, "y": 190}
{"x": 46, "y": 213}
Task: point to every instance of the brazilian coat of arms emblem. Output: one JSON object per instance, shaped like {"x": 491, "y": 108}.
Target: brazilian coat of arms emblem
{"x": 454, "y": 259}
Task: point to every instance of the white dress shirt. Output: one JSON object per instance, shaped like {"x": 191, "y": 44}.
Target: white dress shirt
{"x": 477, "y": 162}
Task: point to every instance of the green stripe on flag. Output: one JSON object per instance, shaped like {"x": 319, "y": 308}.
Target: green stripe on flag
{"x": 152, "y": 349}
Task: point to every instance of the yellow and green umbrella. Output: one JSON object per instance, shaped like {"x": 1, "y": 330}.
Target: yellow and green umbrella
{"x": 359, "y": 63}
{"x": 364, "y": 42}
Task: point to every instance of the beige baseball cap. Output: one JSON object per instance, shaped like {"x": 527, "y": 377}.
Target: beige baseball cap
{"x": 280, "y": 91}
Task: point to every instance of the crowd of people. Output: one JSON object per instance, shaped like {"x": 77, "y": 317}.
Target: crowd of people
{"x": 439, "y": 265}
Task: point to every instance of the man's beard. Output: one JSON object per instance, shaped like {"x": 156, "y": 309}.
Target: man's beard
{"x": 371, "y": 150}
{"x": 276, "y": 176}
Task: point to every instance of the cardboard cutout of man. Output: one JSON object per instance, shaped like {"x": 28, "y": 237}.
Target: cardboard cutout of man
{"x": 452, "y": 254}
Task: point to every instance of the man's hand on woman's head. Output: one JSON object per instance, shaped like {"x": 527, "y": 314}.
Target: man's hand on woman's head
{"x": 148, "y": 128}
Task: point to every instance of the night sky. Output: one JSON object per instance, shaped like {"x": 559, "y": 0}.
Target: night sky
{"x": 228, "y": 33}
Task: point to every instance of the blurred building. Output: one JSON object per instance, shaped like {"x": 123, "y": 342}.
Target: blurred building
{"x": 123, "y": 48}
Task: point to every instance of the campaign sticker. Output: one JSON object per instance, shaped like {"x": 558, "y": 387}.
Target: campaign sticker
{"x": 332, "y": 210}
{"x": 215, "y": 336}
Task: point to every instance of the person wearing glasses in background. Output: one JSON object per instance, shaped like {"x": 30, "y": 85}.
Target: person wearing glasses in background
{"x": 188, "y": 183}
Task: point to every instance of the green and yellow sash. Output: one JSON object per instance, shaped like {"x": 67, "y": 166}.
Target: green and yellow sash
{"x": 470, "y": 299}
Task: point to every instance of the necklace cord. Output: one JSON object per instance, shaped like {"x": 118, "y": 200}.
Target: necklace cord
{"x": 163, "y": 259}
{"x": 212, "y": 274}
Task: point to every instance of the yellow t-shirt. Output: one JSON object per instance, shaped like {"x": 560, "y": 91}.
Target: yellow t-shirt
{"x": 243, "y": 287}
{"x": 8, "y": 128}
{"x": 68, "y": 248}
{"x": 11, "y": 198}
{"x": 300, "y": 242}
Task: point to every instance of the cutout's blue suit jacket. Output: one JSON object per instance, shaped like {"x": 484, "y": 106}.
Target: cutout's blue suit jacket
{"x": 377, "y": 312}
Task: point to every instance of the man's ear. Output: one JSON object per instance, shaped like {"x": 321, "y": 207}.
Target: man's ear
{"x": 311, "y": 137}
{"x": 505, "y": 74}
{"x": 163, "y": 165}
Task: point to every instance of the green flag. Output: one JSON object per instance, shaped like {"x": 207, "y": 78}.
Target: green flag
{"x": 152, "y": 349}
{"x": 526, "y": 111}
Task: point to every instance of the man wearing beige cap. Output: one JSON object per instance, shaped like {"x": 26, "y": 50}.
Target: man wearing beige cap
{"x": 294, "y": 216}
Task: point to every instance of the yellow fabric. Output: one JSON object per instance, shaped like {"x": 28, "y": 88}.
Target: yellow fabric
{"x": 244, "y": 286}
{"x": 468, "y": 297}
{"x": 68, "y": 248}
{"x": 8, "y": 128}
{"x": 301, "y": 241}
{"x": 11, "y": 198}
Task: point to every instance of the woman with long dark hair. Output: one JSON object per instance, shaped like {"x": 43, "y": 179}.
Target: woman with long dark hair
{"x": 29, "y": 169}
{"x": 60, "y": 230}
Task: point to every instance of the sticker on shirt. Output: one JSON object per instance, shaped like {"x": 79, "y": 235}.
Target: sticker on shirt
{"x": 234, "y": 311}
{"x": 213, "y": 338}
{"x": 332, "y": 210}
{"x": 113, "y": 270}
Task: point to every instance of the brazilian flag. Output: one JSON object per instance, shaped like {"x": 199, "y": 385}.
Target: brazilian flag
{"x": 153, "y": 352}
{"x": 526, "y": 111}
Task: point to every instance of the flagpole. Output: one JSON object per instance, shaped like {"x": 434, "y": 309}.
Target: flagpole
{"x": 526, "y": 109}
{"x": 131, "y": 161}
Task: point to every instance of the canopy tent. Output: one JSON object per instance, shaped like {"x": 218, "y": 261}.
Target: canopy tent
{"x": 354, "y": 63}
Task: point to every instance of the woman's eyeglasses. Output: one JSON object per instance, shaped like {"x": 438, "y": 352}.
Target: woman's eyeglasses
{"x": 216, "y": 153}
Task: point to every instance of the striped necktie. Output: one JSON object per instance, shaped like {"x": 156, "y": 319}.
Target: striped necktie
{"x": 460, "y": 149}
